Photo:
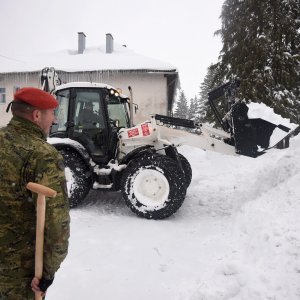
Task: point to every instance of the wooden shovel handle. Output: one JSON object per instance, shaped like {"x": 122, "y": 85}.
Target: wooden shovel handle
{"x": 41, "y": 189}
{"x": 39, "y": 239}
{"x": 42, "y": 192}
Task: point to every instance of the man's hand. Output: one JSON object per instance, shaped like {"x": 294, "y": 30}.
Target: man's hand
{"x": 35, "y": 286}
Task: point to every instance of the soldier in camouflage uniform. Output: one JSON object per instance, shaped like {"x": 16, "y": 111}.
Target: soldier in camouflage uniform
{"x": 26, "y": 156}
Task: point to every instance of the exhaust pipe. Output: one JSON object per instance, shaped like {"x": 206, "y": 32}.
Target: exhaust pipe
{"x": 131, "y": 106}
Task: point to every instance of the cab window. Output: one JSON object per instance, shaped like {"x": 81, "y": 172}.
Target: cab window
{"x": 61, "y": 112}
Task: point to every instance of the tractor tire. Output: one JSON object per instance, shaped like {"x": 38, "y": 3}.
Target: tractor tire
{"x": 153, "y": 186}
{"x": 187, "y": 170}
{"x": 79, "y": 181}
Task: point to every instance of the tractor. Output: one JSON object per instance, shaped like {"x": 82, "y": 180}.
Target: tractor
{"x": 102, "y": 149}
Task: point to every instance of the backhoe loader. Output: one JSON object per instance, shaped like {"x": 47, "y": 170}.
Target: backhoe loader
{"x": 103, "y": 150}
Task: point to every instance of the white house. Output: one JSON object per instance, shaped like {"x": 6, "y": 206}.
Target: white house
{"x": 153, "y": 82}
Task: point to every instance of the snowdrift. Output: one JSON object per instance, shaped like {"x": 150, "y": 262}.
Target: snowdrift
{"x": 236, "y": 237}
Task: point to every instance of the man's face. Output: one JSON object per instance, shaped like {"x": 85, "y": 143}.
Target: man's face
{"x": 45, "y": 120}
{"x": 89, "y": 106}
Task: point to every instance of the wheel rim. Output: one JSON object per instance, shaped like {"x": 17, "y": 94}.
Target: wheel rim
{"x": 151, "y": 188}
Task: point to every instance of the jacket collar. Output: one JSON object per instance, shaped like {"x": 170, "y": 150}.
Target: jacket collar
{"x": 27, "y": 127}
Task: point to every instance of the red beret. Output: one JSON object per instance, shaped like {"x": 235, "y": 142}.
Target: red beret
{"x": 36, "y": 97}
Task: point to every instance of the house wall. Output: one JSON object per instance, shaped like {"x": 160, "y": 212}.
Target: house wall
{"x": 11, "y": 82}
{"x": 149, "y": 89}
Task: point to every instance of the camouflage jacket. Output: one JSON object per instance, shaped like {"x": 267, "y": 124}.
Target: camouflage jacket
{"x": 26, "y": 156}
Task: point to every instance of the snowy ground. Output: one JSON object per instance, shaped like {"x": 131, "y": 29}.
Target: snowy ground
{"x": 237, "y": 236}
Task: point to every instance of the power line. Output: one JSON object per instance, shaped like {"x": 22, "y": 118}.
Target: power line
{"x": 9, "y": 58}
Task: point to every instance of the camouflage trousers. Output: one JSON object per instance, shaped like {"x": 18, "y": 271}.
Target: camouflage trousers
{"x": 20, "y": 291}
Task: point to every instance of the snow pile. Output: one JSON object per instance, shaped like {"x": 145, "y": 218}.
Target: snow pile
{"x": 263, "y": 259}
{"x": 261, "y": 110}
{"x": 236, "y": 237}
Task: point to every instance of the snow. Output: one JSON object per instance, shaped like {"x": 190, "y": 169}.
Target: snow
{"x": 237, "y": 236}
{"x": 70, "y": 181}
{"x": 261, "y": 110}
{"x": 67, "y": 141}
{"x": 93, "y": 58}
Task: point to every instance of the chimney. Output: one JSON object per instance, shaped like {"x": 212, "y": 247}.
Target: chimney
{"x": 81, "y": 42}
{"x": 109, "y": 43}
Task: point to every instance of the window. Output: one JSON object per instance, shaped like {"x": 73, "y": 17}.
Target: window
{"x": 2, "y": 96}
{"x": 117, "y": 113}
{"x": 117, "y": 110}
{"x": 88, "y": 111}
{"x": 62, "y": 111}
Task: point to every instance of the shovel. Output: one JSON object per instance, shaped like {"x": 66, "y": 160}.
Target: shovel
{"x": 42, "y": 192}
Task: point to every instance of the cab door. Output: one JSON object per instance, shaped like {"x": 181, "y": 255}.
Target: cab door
{"x": 90, "y": 122}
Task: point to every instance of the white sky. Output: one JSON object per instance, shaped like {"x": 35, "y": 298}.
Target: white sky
{"x": 178, "y": 32}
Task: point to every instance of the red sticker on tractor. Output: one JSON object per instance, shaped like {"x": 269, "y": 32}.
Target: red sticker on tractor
{"x": 145, "y": 129}
{"x": 133, "y": 132}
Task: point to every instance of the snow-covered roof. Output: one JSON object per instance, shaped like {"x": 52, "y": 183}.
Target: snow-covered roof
{"x": 84, "y": 84}
{"x": 93, "y": 59}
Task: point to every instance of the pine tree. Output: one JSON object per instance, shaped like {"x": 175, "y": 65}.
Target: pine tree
{"x": 181, "y": 110}
{"x": 202, "y": 108}
{"x": 261, "y": 42}
{"x": 192, "y": 111}
{"x": 211, "y": 81}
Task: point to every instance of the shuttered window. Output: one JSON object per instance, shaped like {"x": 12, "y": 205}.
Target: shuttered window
{"x": 2, "y": 95}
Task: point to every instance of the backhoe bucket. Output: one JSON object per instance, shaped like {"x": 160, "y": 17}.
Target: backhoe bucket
{"x": 254, "y": 136}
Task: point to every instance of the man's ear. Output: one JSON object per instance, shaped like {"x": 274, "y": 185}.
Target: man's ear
{"x": 36, "y": 115}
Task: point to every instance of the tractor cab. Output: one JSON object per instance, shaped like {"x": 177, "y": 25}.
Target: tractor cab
{"x": 91, "y": 114}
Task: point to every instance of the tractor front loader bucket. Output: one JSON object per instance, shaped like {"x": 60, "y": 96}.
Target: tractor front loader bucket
{"x": 250, "y": 136}
{"x": 253, "y": 137}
